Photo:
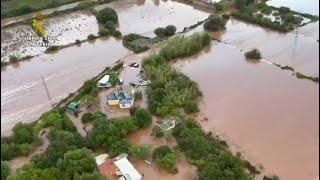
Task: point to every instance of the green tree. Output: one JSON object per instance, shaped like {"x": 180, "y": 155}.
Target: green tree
{"x": 165, "y": 158}
{"x": 113, "y": 78}
{"x": 253, "y": 54}
{"x": 107, "y": 14}
{"x": 142, "y": 117}
{"x": 30, "y": 172}
{"x": 90, "y": 176}
{"x": 160, "y": 32}
{"x": 80, "y": 161}
{"x": 215, "y": 23}
{"x": 5, "y": 170}
{"x": 170, "y": 30}
{"x": 87, "y": 117}
{"x": 23, "y": 133}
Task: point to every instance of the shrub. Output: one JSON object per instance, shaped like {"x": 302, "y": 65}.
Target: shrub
{"x": 226, "y": 16}
{"x": 107, "y": 14}
{"x": 78, "y": 41}
{"x": 133, "y": 110}
{"x": 13, "y": 59}
{"x": 253, "y": 54}
{"x": 191, "y": 107}
{"x": 165, "y": 158}
{"x": 157, "y": 132}
{"x": 284, "y": 10}
{"x": 104, "y": 32}
{"x": 109, "y": 24}
{"x": 170, "y": 30}
{"x": 25, "y": 9}
{"x": 52, "y": 49}
{"x": 215, "y": 23}
{"x": 219, "y": 6}
{"x": 5, "y": 170}
{"x": 160, "y": 32}
{"x": 91, "y": 37}
{"x": 87, "y": 117}
{"x": 142, "y": 117}
{"x": 117, "y": 34}
{"x": 129, "y": 42}
{"x": 140, "y": 151}
{"x": 138, "y": 95}
{"x": 84, "y": 5}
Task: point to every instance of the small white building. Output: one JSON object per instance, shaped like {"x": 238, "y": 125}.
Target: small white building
{"x": 101, "y": 159}
{"x": 127, "y": 170}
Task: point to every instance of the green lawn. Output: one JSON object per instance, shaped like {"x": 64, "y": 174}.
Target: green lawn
{"x": 10, "y": 8}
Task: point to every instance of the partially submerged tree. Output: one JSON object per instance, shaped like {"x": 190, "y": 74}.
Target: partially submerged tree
{"x": 215, "y": 23}
{"x": 253, "y": 54}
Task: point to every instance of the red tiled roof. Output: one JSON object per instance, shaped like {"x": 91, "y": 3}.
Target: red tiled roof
{"x": 108, "y": 169}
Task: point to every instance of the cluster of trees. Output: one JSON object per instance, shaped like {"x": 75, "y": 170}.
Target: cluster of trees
{"x": 215, "y": 22}
{"x": 170, "y": 89}
{"x": 21, "y": 143}
{"x": 253, "y": 54}
{"x": 169, "y": 30}
{"x": 76, "y": 164}
{"x": 165, "y": 158}
{"x": 111, "y": 134}
{"x": 265, "y": 22}
{"x": 5, "y": 170}
{"x": 210, "y": 156}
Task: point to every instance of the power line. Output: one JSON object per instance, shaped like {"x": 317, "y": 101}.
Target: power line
{"x": 47, "y": 91}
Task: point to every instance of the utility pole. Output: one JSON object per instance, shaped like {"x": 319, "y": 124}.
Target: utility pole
{"x": 47, "y": 91}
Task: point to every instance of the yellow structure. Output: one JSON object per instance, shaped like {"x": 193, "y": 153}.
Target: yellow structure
{"x": 38, "y": 26}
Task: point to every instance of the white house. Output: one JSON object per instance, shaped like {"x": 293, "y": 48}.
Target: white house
{"x": 127, "y": 170}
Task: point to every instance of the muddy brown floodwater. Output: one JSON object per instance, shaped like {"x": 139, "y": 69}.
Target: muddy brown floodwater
{"x": 266, "y": 114}
{"x": 23, "y": 97}
{"x": 22, "y": 92}
{"x": 144, "y": 16}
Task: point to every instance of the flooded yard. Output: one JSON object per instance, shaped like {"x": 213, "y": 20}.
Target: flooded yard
{"x": 266, "y": 114}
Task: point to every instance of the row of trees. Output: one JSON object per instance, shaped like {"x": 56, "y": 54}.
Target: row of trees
{"x": 170, "y": 89}
{"x": 210, "y": 155}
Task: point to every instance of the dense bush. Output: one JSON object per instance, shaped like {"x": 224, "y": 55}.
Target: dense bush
{"x": 142, "y": 118}
{"x": 226, "y": 16}
{"x": 160, "y": 32}
{"x": 138, "y": 95}
{"x": 87, "y": 117}
{"x": 5, "y": 170}
{"x": 107, "y": 14}
{"x": 157, "y": 132}
{"x": 30, "y": 171}
{"x": 25, "y": 9}
{"x": 170, "y": 30}
{"x": 52, "y": 49}
{"x": 215, "y": 23}
{"x": 91, "y": 37}
{"x": 140, "y": 151}
{"x": 210, "y": 156}
{"x": 104, "y": 32}
{"x": 78, "y": 41}
{"x": 191, "y": 107}
{"x": 253, "y": 54}
{"x": 219, "y": 6}
{"x": 165, "y": 158}
{"x": 13, "y": 59}
{"x": 117, "y": 34}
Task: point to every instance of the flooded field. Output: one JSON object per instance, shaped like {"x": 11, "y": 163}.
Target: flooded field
{"x": 144, "y": 16}
{"x": 23, "y": 97}
{"x": 266, "y": 114}
{"x": 305, "y": 6}
{"x": 66, "y": 28}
